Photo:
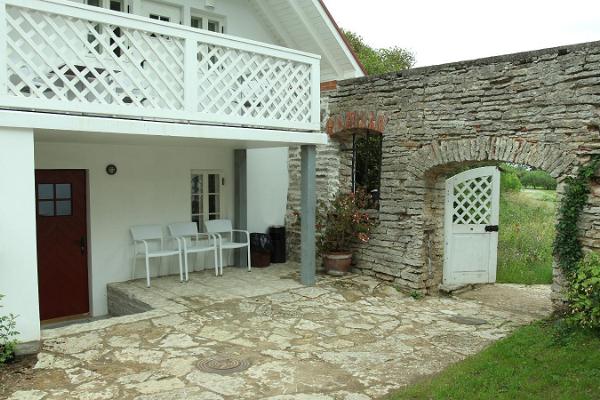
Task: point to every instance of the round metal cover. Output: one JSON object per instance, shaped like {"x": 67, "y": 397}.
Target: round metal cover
{"x": 223, "y": 365}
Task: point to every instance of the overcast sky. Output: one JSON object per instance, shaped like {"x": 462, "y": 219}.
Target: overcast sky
{"x": 440, "y": 31}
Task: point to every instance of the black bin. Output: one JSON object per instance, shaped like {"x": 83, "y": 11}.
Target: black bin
{"x": 260, "y": 249}
{"x": 277, "y": 234}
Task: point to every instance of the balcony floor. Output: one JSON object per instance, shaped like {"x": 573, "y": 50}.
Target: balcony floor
{"x": 352, "y": 338}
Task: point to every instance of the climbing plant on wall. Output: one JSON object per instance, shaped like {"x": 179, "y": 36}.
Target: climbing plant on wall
{"x": 567, "y": 247}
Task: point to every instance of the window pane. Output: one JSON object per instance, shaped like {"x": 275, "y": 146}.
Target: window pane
{"x": 46, "y": 208}
{"x": 63, "y": 190}
{"x": 212, "y": 183}
{"x": 116, "y": 5}
{"x": 95, "y": 3}
{"x": 45, "y": 191}
{"x": 195, "y": 204}
{"x": 213, "y": 204}
{"x": 213, "y": 26}
{"x": 196, "y": 184}
{"x": 196, "y": 22}
{"x": 63, "y": 207}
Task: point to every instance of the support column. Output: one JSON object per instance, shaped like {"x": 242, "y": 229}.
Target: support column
{"x": 18, "y": 254}
{"x": 240, "y": 200}
{"x": 308, "y": 214}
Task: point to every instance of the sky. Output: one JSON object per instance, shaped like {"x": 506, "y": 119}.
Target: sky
{"x": 438, "y": 31}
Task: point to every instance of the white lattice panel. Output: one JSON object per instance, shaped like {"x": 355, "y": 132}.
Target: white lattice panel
{"x": 240, "y": 83}
{"x": 51, "y": 56}
{"x": 473, "y": 201}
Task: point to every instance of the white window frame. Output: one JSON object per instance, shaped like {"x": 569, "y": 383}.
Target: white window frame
{"x": 206, "y": 17}
{"x": 204, "y": 206}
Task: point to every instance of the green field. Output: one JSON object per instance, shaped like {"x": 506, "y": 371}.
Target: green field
{"x": 530, "y": 364}
{"x": 527, "y": 220}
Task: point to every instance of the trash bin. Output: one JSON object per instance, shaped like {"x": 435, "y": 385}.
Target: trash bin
{"x": 277, "y": 234}
{"x": 260, "y": 250}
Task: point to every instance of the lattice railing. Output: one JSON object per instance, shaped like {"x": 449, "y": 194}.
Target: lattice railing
{"x": 73, "y": 58}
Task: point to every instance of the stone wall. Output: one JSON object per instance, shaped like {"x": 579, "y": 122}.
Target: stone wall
{"x": 538, "y": 108}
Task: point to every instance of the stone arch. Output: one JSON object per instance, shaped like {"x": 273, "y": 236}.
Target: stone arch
{"x": 350, "y": 121}
{"x": 429, "y": 166}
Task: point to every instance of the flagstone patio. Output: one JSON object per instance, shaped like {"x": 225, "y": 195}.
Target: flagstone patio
{"x": 351, "y": 338}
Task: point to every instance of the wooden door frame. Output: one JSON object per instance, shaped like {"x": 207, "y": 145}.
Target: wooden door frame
{"x": 87, "y": 238}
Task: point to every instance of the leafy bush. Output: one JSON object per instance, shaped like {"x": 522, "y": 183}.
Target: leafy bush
{"x": 344, "y": 223}
{"x": 7, "y": 336}
{"x": 584, "y": 293}
{"x": 538, "y": 180}
{"x": 509, "y": 182}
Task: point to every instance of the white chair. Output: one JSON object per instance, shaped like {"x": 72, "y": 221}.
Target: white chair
{"x": 220, "y": 227}
{"x": 186, "y": 233}
{"x": 148, "y": 242}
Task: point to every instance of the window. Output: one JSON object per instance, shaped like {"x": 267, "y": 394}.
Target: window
{"x": 206, "y": 196}
{"x": 160, "y": 17}
{"x": 54, "y": 199}
{"x": 213, "y": 24}
{"x": 366, "y": 163}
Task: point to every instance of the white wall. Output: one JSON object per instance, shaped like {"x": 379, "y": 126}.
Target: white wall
{"x": 152, "y": 186}
{"x": 18, "y": 258}
{"x": 267, "y": 187}
{"x": 240, "y": 17}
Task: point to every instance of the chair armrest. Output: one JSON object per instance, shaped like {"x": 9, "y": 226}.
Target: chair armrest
{"x": 145, "y": 243}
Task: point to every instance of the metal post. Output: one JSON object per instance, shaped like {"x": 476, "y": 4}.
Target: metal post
{"x": 308, "y": 215}
{"x": 240, "y": 200}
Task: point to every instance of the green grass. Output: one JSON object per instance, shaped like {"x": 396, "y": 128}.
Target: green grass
{"x": 527, "y": 365}
{"x": 527, "y": 220}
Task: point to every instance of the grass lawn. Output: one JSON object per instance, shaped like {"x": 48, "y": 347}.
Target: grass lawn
{"x": 526, "y": 365}
{"x": 527, "y": 231}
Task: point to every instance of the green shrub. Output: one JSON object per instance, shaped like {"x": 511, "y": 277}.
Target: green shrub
{"x": 584, "y": 293}
{"x": 538, "y": 180}
{"x": 509, "y": 182}
{"x": 7, "y": 336}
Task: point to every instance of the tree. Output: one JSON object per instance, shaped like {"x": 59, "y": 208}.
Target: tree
{"x": 380, "y": 61}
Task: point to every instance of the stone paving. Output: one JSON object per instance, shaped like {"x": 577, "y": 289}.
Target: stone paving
{"x": 351, "y": 338}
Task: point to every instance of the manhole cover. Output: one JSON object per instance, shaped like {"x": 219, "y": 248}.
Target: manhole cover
{"x": 459, "y": 319}
{"x": 223, "y": 365}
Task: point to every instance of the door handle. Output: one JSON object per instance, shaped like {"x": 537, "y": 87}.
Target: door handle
{"x": 82, "y": 244}
{"x": 491, "y": 228}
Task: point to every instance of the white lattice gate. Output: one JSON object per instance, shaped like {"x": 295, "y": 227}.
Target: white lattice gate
{"x": 471, "y": 226}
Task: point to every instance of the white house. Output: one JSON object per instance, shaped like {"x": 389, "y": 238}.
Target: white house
{"x": 116, "y": 113}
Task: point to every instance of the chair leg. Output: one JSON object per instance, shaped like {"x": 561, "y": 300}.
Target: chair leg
{"x": 147, "y": 271}
{"x": 180, "y": 268}
{"x": 221, "y": 260}
{"x": 187, "y": 273}
{"x": 249, "y": 260}
{"x": 216, "y": 262}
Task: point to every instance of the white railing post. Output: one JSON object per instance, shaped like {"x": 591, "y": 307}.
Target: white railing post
{"x": 315, "y": 93}
{"x": 3, "y": 50}
{"x": 190, "y": 75}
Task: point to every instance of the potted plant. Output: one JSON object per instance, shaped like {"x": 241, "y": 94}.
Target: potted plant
{"x": 340, "y": 226}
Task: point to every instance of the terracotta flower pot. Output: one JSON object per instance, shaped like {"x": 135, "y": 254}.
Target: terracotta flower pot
{"x": 337, "y": 263}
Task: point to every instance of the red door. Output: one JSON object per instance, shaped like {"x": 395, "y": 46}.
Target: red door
{"x": 62, "y": 243}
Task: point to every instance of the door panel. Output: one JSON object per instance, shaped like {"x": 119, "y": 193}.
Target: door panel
{"x": 61, "y": 216}
{"x": 472, "y": 204}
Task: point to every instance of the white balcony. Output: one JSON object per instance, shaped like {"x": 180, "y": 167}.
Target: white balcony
{"x": 63, "y": 57}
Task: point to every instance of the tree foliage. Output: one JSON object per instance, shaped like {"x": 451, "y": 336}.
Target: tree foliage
{"x": 380, "y": 61}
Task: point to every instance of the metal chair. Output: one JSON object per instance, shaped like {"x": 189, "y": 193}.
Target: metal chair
{"x": 148, "y": 242}
{"x": 220, "y": 227}
{"x": 191, "y": 241}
